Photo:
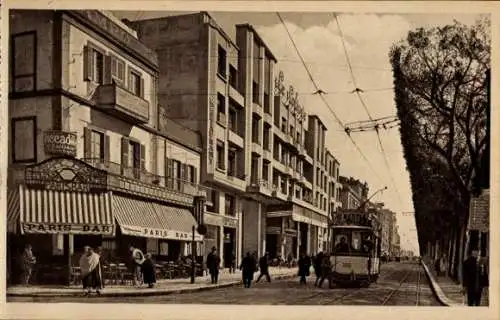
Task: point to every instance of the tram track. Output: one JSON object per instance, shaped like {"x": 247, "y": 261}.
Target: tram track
{"x": 401, "y": 293}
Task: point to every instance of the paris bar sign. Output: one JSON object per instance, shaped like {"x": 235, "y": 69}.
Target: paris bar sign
{"x": 60, "y": 143}
{"x": 67, "y": 228}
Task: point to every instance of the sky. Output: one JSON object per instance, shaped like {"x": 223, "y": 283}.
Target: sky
{"x": 368, "y": 38}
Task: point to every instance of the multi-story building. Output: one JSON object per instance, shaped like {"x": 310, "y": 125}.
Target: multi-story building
{"x": 386, "y": 219}
{"x": 354, "y": 193}
{"x": 87, "y": 163}
{"x": 334, "y": 186}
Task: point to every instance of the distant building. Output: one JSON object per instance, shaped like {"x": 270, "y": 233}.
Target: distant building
{"x": 353, "y": 192}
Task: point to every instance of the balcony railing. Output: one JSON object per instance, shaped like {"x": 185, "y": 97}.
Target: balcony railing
{"x": 145, "y": 177}
{"x": 122, "y": 102}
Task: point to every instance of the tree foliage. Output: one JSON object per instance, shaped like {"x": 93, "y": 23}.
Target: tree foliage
{"x": 441, "y": 79}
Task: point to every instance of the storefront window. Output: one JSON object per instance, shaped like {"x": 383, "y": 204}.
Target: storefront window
{"x": 164, "y": 248}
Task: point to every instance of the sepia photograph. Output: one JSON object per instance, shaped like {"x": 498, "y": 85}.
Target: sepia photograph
{"x": 266, "y": 158}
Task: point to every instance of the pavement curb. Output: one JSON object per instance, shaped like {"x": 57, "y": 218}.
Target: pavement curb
{"x": 141, "y": 293}
{"x": 436, "y": 289}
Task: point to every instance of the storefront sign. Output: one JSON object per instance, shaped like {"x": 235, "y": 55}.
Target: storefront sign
{"x": 160, "y": 233}
{"x": 66, "y": 228}
{"x": 230, "y": 222}
{"x": 60, "y": 143}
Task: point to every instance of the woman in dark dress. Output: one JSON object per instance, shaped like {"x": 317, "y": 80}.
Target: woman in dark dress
{"x": 148, "y": 271}
{"x": 304, "y": 265}
{"x": 91, "y": 271}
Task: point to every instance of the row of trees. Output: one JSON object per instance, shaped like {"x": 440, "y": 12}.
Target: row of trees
{"x": 441, "y": 79}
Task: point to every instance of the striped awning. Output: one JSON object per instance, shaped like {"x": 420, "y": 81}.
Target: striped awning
{"x": 152, "y": 220}
{"x": 13, "y": 209}
{"x": 48, "y": 211}
{"x": 179, "y": 222}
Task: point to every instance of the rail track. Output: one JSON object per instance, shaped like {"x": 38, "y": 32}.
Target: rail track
{"x": 405, "y": 292}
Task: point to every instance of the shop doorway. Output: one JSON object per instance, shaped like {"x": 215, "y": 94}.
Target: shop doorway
{"x": 272, "y": 245}
{"x": 229, "y": 246}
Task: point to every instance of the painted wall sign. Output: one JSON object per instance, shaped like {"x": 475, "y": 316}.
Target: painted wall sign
{"x": 67, "y": 228}
{"x": 230, "y": 222}
{"x": 60, "y": 143}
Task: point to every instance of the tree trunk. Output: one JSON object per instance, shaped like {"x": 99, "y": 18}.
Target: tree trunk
{"x": 461, "y": 252}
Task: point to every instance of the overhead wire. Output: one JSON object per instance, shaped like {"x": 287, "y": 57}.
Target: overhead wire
{"x": 321, "y": 94}
{"x": 358, "y": 93}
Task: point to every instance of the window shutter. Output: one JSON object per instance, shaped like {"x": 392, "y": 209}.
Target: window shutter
{"x": 141, "y": 89}
{"x": 125, "y": 146}
{"x": 87, "y": 134}
{"x": 195, "y": 175}
{"x": 107, "y": 70}
{"x": 87, "y": 64}
{"x": 170, "y": 172}
{"x": 107, "y": 150}
{"x": 183, "y": 175}
{"x": 143, "y": 157}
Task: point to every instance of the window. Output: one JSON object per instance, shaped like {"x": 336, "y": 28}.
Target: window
{"x": 233, "y": 77}
{"x": 23, "y": 139}
{"x": 93, "y": 64}
{"x": 118, "y": 69}
{"x": 190, "y": 174}
{"x": 24, "y": 62}
{"x": 133, "y": 157}
{"x": 283, "y": 185}
{"x": 97, "y": 150}
{"x": 214, "y": 198}
{"x": 283, "y": 124}
{"x": 255, "y": 129}
{"x": 134, "y": 83}
{"x": 267, "y": 84}
{"x": 231, "y": 162}
{"x": 298, "y": 137}
{"x": 220, "y": 155}
{"x": 254, "y": 169}
{"x": 221, "y": 108}
{"x": 255, "y": 91}
{"x": 233, "y": 119}
{"x": 297, "y": 193}
{"x": 230, "y": 208}
{"x": 292, "y": 131}
{"x": 265, "y": 171}
{"x": 267, "y": 142}
{"x": 221, "y": 62}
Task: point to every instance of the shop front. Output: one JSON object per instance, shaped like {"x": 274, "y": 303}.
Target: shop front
{"x": 60, "y": 206}
{"x": 222, "y": 233}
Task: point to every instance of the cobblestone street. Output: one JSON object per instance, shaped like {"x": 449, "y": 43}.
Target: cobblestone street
{"x": 397, "y": 285}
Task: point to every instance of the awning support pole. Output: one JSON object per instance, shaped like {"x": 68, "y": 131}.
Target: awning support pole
{"x": 193, "y": 257}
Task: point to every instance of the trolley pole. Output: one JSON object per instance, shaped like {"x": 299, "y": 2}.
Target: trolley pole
{"x": 193, "y": 257}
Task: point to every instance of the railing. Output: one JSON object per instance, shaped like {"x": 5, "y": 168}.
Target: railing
{"x": 171, "y": 183}
{"x": 259, "y": 183}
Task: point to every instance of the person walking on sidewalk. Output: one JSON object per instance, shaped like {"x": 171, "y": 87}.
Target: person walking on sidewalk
{"x": 28, "y": 260}
{"x": 213, "y": 264}
{"x": 137, "y": 258}
{"x": 148, "y": 271}
{"x": 304, "y": 266}
{"x": 325, "y": 270}
{"x": 264, "y": 268}
{"x": 248, "y": 267}
{"x": 474, "y": 278}
{"x": 91, "y": 271}
{"x": 232, "y": 264}
{"x": 318, "y": 260}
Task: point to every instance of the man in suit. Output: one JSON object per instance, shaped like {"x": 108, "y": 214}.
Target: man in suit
{"x": 474, "y": 277}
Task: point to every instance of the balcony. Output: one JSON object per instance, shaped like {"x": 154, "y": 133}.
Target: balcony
{"x": 256, "y": 147}
{"x": 236, "y": 96}
{"x": 122, "y": 103}
{"x": 280, "y": 166}
{"x": 261, "y": 187}
{"x": 229, "y": 180}
{"x": 142, "y": 183}
{"x": 278, "y": 133}
{"x": 268, "y": 118}
{"x": 222, "y": 119}
{"x": 267, "y": 154}
{"x": 257, "y": 108}
{"x": 279, "y": 194}
{"x": 236, "y": 139}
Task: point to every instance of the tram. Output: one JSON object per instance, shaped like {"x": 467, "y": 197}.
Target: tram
{"x": 355, "y": 248}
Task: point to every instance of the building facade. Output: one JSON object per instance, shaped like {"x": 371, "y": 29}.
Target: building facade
{"x": 87, "y": 163}
{"x": 354, "y": 193}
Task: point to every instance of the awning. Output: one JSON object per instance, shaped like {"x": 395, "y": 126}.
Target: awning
{"x": 151, "y": 220}
{"x": 303, "y": 216}
{"x": 12, "y": 209}
{"x": 47, "y": 211}
{"x": 179, "y": 222}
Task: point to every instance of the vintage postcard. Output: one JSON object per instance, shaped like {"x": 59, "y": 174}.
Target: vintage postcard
{"x": 228, "y": 159}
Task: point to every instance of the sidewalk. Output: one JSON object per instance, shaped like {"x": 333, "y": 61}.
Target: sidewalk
{"x": 162, "y": 287}
{"x": 447, "y": 291}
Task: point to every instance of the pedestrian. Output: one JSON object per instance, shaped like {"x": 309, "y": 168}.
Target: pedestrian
{"x": 248, "y": 267}
{"x": 264, "y": 267}
{"x": 28, "y": 261}
{"x": 137, "y": 258}
{"x": 102, "y": 261}
{"x": 442, "y": 265}
{"x": 318, "y": 260}
{"x": 325, "y": 270}
{"x": 232, "y": 265}
{"x": 304, "y": 266}
{"x": 148, "y": 271}
{"x": 213, "y": 264}
{"x": 90, "y": 271}
{"x": 474, "y": 278}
